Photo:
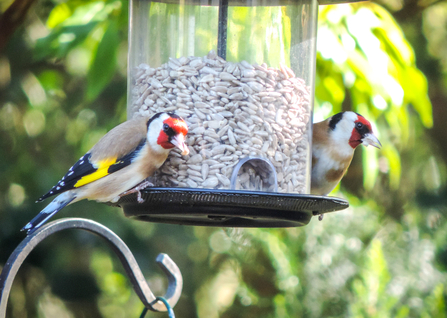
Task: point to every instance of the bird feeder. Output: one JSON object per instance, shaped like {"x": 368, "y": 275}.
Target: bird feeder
{"x": 242, "y": 75}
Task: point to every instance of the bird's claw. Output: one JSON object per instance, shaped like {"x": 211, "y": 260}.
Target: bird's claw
{"x": 138, "y": 189}
{"x": 139, "y": 198}
{"x": 320, "y": 217}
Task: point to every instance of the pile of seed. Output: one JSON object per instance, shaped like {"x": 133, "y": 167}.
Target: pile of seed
{"x": 233, "y": 110}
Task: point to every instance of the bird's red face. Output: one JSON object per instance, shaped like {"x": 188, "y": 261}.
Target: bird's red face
{"x": 173, "y": 134}
{"x": 362, "y": 133}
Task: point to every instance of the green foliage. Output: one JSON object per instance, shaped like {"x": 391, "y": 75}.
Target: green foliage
{"x": 371, "y": 297}
{"x": 60, "y": 42}
{"x": 383, "y": 257}
{"x": 103, "y": 65}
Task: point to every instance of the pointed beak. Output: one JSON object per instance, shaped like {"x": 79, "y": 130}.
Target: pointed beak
{"x": 179, "y": 141}
{"x": 372, "y": 140}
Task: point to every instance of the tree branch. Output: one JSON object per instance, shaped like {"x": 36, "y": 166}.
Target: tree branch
{"x": 12, "y": 19}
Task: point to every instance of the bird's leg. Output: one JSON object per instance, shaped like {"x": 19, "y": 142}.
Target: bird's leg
{"x": 138, "y": 189}
{"x": 320, "y": 217}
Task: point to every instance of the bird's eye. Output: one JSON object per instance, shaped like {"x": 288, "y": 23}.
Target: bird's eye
{"x": 165, "y": 127}
{"x": 359, "y": 125}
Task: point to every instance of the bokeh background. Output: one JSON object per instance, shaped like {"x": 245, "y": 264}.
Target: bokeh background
{"x": 63, "y": 85}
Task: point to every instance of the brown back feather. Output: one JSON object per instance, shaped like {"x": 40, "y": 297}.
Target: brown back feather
{"x": 121, "y": 140}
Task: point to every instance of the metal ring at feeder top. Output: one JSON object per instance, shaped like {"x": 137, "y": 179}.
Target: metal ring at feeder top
{"x": 243, "y": 161}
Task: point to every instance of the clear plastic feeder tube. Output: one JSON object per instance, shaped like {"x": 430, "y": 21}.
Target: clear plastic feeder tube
{"x": 241, "y": 73}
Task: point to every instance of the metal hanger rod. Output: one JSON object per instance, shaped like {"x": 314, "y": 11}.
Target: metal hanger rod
{"x": 119, "y": 247}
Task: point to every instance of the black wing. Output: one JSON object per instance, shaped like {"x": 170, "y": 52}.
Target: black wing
{"x": 84, "y": 167}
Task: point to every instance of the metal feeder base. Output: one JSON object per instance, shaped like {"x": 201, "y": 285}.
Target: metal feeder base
{"x": 227, "y": 208}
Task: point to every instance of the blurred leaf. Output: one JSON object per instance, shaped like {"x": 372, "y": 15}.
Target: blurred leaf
{"x": 72, "y": 22}
{"x": 403, "y": 312}
{"x": 392, "y": 37}
{"x": 334, "y": 85}
{"x": 436, "y": 303}
{"x": 394, "y": 165}
{"x": 86, "y": 12}
{"x": 58, "y": 15}
{"x": 104, "y": 62}
{"x": 59, "y": 42}
{"x": 370, "y": 167}
{"x": 420, "y": 100}
{"x": 371, "y": 298}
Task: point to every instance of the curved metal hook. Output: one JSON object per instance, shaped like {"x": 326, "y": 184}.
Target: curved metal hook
{"x": 119, "y": 247}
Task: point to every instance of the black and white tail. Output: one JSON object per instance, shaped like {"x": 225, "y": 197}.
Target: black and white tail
{"x": 51, "y": 209}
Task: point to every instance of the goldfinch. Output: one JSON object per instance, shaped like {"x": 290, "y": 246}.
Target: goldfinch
{"x": 121, "y": 160}
{"x": 333, "y": 143}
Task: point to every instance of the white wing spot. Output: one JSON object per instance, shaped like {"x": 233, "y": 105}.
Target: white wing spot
{"x": 82, "y": 162}
{"x": 62, "y": 183}
{"x": 58, "y": 188}
{"x": 70, "y": 173}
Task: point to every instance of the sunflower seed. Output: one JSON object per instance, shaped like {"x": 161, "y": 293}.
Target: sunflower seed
{"x": 233, "y": 110}
{"x": 210, "y": 182}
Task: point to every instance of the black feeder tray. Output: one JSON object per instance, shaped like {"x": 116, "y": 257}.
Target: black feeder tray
{"x": 227, "y": 208}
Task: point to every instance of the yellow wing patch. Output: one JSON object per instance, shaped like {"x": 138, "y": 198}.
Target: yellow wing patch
{"x": 102, "y": 171}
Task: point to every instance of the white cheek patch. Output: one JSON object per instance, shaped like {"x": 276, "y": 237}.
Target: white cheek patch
{"x": 152, "y": 137}
{"x": 154, "y": 132}
{"x": 342, "y": 133}
{"x": 340, "y": 139}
